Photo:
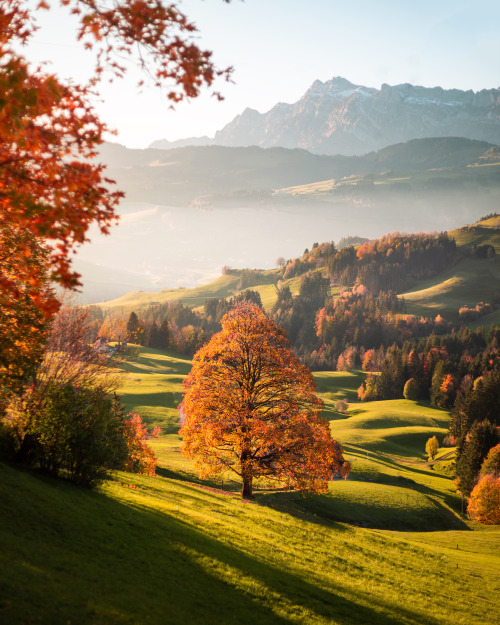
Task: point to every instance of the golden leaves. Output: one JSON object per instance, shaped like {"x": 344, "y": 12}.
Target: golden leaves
{"x": 251, "y": 406}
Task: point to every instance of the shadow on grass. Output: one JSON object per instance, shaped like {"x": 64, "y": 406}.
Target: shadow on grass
{"x": 330, "y": 510}
{"x": 450, "y": 500}
{"x": 229, "y": 486}
{"x": 88, "y": 558}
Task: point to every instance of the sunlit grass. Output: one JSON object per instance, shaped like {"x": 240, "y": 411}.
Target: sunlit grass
{"x": 469, "y": 282}
{"x": 400, "y": 427}
{"x": 174, "y": 549}
{"x": 168, "y": 552}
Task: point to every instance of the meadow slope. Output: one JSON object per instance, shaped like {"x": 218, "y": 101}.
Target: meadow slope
{"x": 386, "y": 547}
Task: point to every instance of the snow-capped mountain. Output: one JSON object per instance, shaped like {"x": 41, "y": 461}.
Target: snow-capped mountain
{"x": 338, "y": 117}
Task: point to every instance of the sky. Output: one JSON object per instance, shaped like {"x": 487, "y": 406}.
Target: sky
{"x": 278, "y": 48}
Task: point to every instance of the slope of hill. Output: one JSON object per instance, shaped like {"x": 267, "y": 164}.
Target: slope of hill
{"x": 179, "y": 176}
{"x": 224, "y": 286}
{"x": 164, "y": 551}
{"x": 173, "y": 549}
{"x": 471, "y": 281}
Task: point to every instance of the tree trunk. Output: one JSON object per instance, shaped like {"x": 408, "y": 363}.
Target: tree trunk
{"x": 246, "y": 476}
{"x": 246, "y": 491}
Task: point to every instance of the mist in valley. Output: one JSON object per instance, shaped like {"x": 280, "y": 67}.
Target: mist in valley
{"x": 157, "y": 247}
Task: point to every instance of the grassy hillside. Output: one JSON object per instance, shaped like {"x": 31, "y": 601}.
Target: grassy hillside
{"x": 481, "y": 233}
{"x": 399, "y": 427}
{"x": 158, "y": 550}
{"x": 470, "y": 281}
{"x": 174, "y": 549}
{"x": 224, "y": 286}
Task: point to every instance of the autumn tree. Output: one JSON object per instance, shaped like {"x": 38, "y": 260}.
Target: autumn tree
{"x": 251, "y": 407}
{"x": 484, "y": 502}
{"x": 432, "y": 447}
{"x": 491, "y": 464}
{"x": 135, "y": 331}
{"x": 52, "y": 189}
{"x": 471, "y": 452}
{"x": 141, "y": 458}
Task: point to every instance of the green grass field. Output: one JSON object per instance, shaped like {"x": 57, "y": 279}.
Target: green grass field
{"x": 386, "y": 547}
{"x": 481, "y": 233}
{"x": 223, "y": 287}
{"x": 470, "y": 281}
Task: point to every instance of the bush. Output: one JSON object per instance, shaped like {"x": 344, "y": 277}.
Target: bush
{"x": 68, "y": 430}
{"x": 342, "y": 406}
{"x": 432, "y": 447}
{"x": 141, "y": 458}
{"x": 411, "y": 390}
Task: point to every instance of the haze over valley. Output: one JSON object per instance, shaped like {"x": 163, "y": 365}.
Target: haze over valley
{"x": 197, "y": 209}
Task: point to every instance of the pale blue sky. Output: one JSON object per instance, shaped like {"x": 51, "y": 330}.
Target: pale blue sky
{"x": 279, "y": 47}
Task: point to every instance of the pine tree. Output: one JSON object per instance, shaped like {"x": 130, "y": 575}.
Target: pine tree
{"x": 133, "y": 328}
{"x": 164, "y": 335}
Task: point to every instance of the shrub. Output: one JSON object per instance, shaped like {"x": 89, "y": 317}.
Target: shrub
{"x": 341, "y": 406}
{"x": 68, "y": 430}
{"x": 432, "y": 447}
{"x": 411, "y": 390}
{"x": 141, "y": 458}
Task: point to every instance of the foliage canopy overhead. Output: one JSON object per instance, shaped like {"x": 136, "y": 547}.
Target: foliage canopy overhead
{"x": 51, "y": 188}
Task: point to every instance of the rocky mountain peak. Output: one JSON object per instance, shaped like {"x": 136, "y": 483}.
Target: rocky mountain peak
{"x": 340, "y": 117}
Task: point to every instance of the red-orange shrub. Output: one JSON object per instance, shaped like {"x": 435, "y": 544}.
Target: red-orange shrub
{"x": 141, "y": 458}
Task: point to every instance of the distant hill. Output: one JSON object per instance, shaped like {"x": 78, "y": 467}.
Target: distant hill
{"x": 214, "y": 174}
{"x": 339, "y": 117}
{"x": 468, "y": 282}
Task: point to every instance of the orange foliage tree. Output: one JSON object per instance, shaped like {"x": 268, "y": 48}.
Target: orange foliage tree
{"x": 50, "y": 184}
{"x": 484, "y": 502}
{"x": 251, "y": 407}
{"x": 51, "y": 187}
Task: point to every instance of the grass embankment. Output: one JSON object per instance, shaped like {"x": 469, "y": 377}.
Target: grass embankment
{"x": 225, "y": 286}
{"x": 173, "y": 550}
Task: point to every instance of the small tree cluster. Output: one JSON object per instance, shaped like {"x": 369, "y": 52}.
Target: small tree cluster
{"x": 472, "y": 451}
{"x": 67, "y": 430}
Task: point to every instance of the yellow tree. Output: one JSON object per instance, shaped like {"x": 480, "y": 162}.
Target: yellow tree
{"x": 251, "y": 407}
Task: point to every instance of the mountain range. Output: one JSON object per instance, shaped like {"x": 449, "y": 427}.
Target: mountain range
{"x": 339, "y": 117}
